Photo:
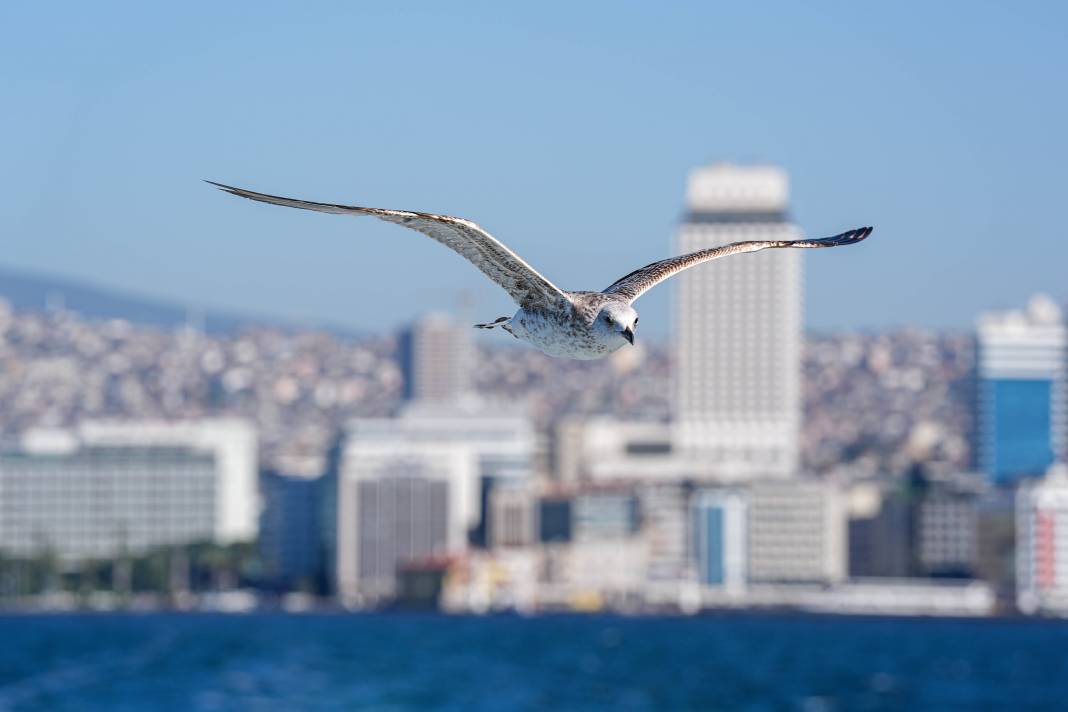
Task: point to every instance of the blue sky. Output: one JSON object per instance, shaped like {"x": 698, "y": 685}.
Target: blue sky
{"x": 565, "y": 129}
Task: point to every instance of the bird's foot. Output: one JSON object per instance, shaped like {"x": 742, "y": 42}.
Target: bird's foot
{"x": 493, "y": 324}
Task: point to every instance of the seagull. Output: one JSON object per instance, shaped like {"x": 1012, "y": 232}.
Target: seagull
{"x": 577, "y": 325}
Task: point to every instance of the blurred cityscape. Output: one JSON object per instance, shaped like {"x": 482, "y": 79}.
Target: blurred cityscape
{"x": 745, "y": 464}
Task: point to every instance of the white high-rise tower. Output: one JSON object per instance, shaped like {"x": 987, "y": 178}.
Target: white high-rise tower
{"x": 738, "y": 329}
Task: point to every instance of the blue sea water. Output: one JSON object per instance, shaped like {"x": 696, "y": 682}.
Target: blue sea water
{"x": 423, "y": 662}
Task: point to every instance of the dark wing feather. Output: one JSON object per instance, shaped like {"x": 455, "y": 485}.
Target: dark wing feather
{"x": 642, "y": 280}
{"x": 525, "y": 285}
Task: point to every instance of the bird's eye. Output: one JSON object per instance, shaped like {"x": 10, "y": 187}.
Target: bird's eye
{"x": 608, "y": 319}
{"x": 635, "y": 321}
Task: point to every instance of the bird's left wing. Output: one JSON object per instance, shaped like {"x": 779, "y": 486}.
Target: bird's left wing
{"x": 525, "y": 285}
{"x": 642, "y": 280}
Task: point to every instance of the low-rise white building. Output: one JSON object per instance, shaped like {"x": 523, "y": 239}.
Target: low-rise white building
{"x": 720, "y": 539}
{"x": 415, "y": 487}
{"x": 111, "y": 489}
{"x": 797, "y": 532}
{"x": 605, "y": 449}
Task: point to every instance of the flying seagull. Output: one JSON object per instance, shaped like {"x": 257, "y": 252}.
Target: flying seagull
{"x": 580, "y": 325}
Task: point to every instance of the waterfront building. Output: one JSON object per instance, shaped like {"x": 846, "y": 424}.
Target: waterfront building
{"x": 107, "y": 490}
{"x": 433, "y": 464}
{"x": 880, "y": 532}
{"x": 290, "y": 542}
{"x": 947, "y": 535}
{"x": 554, "y": 519}
{"x": 513, "y": 519}
{"x": 797, "y": 532}
{"x": 1042, "y": 544}
{"x": 996, "y": 546}
{"x": 233, "y": 444}
{"x": 600, "y": 515}
{"x": 666, "y": 530}
{"x": 720, "y": 538}
{"x": 395, "y": 509}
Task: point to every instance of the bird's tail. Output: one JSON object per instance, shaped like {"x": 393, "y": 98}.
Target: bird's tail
{"x": 493, "y": 324}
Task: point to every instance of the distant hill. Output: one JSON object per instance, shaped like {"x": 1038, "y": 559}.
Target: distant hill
{"x": 27, "y": 291}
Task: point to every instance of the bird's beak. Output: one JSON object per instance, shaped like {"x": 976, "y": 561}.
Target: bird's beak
{"x": 628, "y": 334}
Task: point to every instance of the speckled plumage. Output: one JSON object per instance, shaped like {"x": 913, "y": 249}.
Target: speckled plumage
{"x": 581, "y": 325}
{"x": 567, "y": 333}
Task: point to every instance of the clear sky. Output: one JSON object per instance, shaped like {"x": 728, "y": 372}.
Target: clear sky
{"x": 565, "y": 129}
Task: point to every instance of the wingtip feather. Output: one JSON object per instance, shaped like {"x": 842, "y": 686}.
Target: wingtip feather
{"x": 220, "y": 186}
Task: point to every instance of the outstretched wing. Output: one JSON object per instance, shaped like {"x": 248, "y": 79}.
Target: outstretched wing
{"x": 528, "y": 288}
{"x": 641, "y": 280}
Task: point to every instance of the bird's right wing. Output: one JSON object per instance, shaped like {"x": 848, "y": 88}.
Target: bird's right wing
{"x": 525, "y": 285}
{"x": 642, "y": 280}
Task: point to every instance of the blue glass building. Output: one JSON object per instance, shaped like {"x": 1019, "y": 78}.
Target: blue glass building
{"x": 290, "y": 542}
{"x": 719, "y": 527}
{"x": 708, "y": 526}
{"x": 1021, "y": 419}
{"x": 1018, "y": 420}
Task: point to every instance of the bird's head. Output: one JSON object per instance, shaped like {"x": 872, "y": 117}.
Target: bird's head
{"x": 616, "y": 320}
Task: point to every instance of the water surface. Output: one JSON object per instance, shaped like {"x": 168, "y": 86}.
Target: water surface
{"x": 417, "y": 662}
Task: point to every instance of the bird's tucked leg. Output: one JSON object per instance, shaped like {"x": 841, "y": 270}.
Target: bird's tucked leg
{"x": 493, "y": 324}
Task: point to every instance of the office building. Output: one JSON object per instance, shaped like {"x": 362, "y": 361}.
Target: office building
{"x": 290, "y": 542}
{"x": 947, "y": 536}
{"x": 996, "y": 547}
{"x": 1042, "y": 544}
{"x": 605, "y": 449}
{"x": 113, "y": 489}
{"x": 554, "y": 520}
{"x": 720, "y": 539}
{"x": 600, "y": 572}
{"x": 738, "y": 328}
{"x": 428, "y": 465}
{"x": 666, "y": 530}
{"x": 601, "y": 515}
{"x": 395, "y": 509}
{"x": 231, "y": 442}
{"x": 1022, "y": 406}
{"x": 436, "y": 358}
{"x": 797, "y": 532}
{"x": 501, "y": 441}
{"x": 880, "y": 532}
{"x": 513, "y": 520}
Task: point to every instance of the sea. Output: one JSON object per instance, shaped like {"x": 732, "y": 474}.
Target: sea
{"x": 408, "y": 661}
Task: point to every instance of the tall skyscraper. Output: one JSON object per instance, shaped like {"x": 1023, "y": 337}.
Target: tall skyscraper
{"x": 738, "y": 329}
{"x": 1022, "y": 394}
{"x": 436, "y": 357}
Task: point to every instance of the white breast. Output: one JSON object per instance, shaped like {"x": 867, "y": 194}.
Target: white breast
{"x": 563, "y": 338}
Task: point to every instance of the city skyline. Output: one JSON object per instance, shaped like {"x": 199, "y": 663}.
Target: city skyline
{"x": 473, "y": 504}
{"x": 116, "y": 128}
{"x": 259, "y": 458}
